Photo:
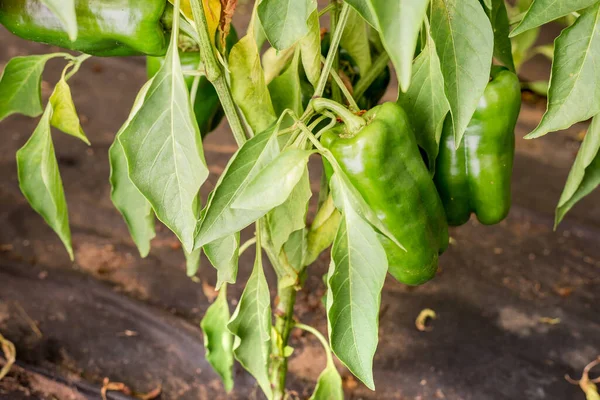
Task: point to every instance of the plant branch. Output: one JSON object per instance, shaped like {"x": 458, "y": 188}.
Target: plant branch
{"x": 284, "y": 321}
{"x": 343, "y": 88}
{"x": 215, "y": 73}
{"x": 321, "y": 338}
{"x": 331, "y": 55}
{"x": 367, "y": 79}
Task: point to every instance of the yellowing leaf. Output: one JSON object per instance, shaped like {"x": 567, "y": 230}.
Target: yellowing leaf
{"x": 64, "y": 116}
{"x": 212, "y": 11}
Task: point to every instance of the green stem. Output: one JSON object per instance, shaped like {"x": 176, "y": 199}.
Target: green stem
{"x": 321, "y": 338}
{"x": 343, "y": 88}
{"x": 247, "y": 244}
{"x": 215, "y": 74}
{"x": 367, "y": 79}
{"x": 284, "y": 322}
{"x": 335, "y": 66}
{"x": 326, "y": 9}
{"x": 335, "y": 41}
{"x": 353, "y": 122}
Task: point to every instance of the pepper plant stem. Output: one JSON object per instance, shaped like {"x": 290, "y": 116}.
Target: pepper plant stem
{"x": 284, "y": 322}
{"x": 215, "y": 73}
{"x": 367, "y": 79}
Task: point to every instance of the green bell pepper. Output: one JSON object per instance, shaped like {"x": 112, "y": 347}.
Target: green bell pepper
{"x": 207, "y": 106}
{"x": 105, "y": 27}
{"x": 379, "y": 154}
{"x": 476, "y": 177}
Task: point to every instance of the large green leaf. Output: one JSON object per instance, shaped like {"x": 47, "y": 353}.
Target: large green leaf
{"x": 574, "y": 92}
{"x": 356, "y": 276}
{"x": 275, "y": 182}
{"x": 355, "y": 40}
{"x": 310, "y": 49}
{"x": 251, "y": 326}
{"x": 64, "y": 115}
{"x": 543, "y": 11}
{"x": 399, "y": 25}
{"x": 65, "y": 12}
{"x": 224, "y": 254}
{"x": 289, "y": 216}
{"x": 40, "y": 182}
{"x": 220, "y": 219}
{"x": 248, "y": 85}
{"x": 499, "y": 19}
{"x": 136, "y": 210}
{"x": 285, "y": 21}
{"x": 295, "y": 250}
{"x": 465, "y": 42}
{"x": 585, "y": 172}
{"x": 425, "y": 101}
{"x": 218, "y": 341}
{"x": 20, "y": 86}
{"x": 164, "y": 150}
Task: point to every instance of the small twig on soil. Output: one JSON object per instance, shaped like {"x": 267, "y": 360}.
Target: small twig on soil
{"x": 421, "y": 320}
{"x": 29, "y": 320}
{"x": 585, "y": 383}
{"x": 121, "y": 387}
{"x": 10, "y": 353}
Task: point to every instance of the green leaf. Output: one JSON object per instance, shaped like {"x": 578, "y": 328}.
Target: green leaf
{"x": 65, "y": 12}
{"x": 133, "y": 206}
{"x": 356, "y": 276}
{"x": 285, "y": 21}
{"x": 218, "y": 341}
{"x": 574, "y": 92}
{"x": 329, "y": 385}
{"x": 285, "y": 90}
{"x": 164, "y": 150}
{"x": 499, "y": 20}
{"x": 323, "y": 230}
{"x": 310, "y": 49}
{"x": 425, "y": 101}
{"x": 543, "y": 11}
{"x": 295, "y": 249}
{"x": 192, "y": 262}
{"x": 364, "y": 9}
{"x": 251, "y": 326}
{"x": 40, "y": 182}
{"x": 248, "y": 86}
{"x": 355, "y": 40}
{"x": 399, "y": 24}
{"x": 64, "y": 116}
{"x": 220, "y": 219}
{"x": 585, "y": 172}
{"x": 20, "y": 86}
{"x": 464, "y": 41}
{"x": 289, "y": 216}
{"x": 275, "y": 182}
{"x": 274, "y": 62}
{"x": 224, "y": 254}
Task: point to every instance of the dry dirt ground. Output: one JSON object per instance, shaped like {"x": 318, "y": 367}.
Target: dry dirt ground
{"x": 112, "y": 314}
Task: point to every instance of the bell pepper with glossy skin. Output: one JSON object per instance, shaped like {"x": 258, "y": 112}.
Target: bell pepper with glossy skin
{"x": 476, "y": 177}
{"x": 207, "y": 106}
{"x": 105, "y": 27}
{"x": 382, "y": 161}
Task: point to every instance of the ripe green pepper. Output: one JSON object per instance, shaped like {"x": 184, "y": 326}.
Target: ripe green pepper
{"x": 105, "y": 27}
{"x": 207, "y": 107}
{"x": 476, "y": 177}
{"x": 349, "y": 68}
{"x": 379, "y": 154}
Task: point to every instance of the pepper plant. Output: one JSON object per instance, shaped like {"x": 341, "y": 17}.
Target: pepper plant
{"x": 394, "y": 175}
